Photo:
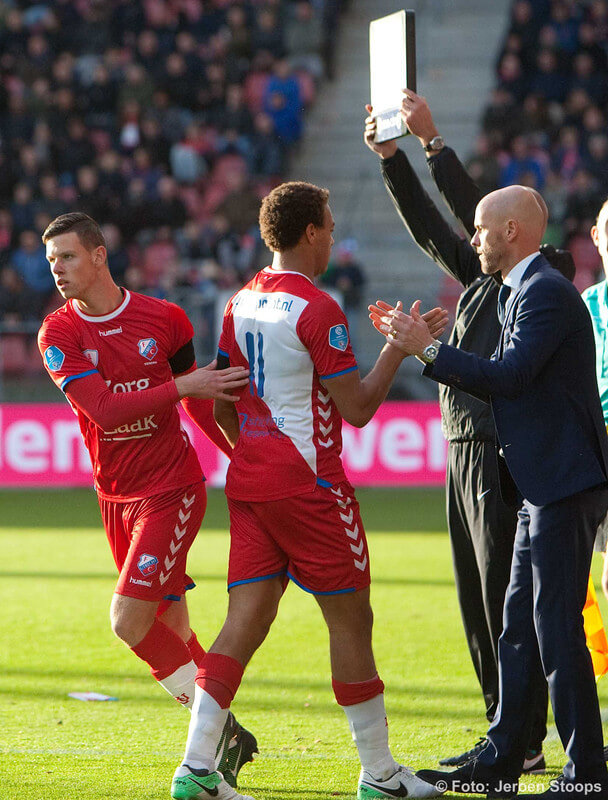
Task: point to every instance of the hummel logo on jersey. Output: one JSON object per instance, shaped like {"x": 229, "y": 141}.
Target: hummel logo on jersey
{"x": 140, "y": 583}
{"x": 110, "y": 332}
{"x": 147, "y": 348}
{"x": 338, "y": 337}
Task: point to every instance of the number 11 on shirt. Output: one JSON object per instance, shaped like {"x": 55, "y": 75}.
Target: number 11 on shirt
{"x": 253, "y": 383}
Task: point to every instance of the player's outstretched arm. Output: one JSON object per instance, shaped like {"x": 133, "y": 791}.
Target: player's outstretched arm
{"x": 209, "y": 382}
{"x": 358, "y": 399}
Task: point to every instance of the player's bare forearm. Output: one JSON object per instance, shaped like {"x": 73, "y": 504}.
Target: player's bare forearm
{"x": 358, "y": 399}
{"x": 375, "y": 385}
{"x": 227, "y": 420}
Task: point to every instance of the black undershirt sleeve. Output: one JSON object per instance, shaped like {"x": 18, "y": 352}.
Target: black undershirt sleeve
{"x": 183, "y": 359}
{"x": 223, "y": 362}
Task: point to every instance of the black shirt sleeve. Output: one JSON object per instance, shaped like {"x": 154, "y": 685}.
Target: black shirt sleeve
{"x": 425, "y": 222}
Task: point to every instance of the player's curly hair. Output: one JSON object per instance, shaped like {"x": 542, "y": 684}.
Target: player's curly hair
{"x": 288, "y": 210}
{"x": 88, "y": 231}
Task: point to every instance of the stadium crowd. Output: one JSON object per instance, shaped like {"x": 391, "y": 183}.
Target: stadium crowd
{"x": 545, "y": 124}
{"x": 166, "y": 120}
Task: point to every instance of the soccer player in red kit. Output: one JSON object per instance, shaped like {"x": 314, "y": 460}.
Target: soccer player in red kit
{"x": 293, "y": 513}
{"x": 124, "y": 361}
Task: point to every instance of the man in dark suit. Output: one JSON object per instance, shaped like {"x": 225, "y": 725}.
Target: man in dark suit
{"x": 480, "y": 524}
{"x": 553, "y": 462}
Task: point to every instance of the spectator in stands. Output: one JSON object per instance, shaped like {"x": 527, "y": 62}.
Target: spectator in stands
{"x": 346, "y": 275}
{"x": 511, "y": 76}
{"x": 589, "y": 78}
{"x": 49, "y": 200}
{"x": 15, "y": 298}
{"x": 187, "y": 157}
{"x": 168, "y": 208}
{"x": 282, "y": 101}
{"x": 118, "y": 257}
{"x": 29, "y": 261}
{"x": 566, "y": 157}
{"x": 267, "y": 155}
{"x": 522, "y": 161}
{"x": 22, "y": 208}
{"x": 268, "y": 33}
{"x": 482, "y": 166}
{"x": 304, "y": 38}
{"x": 548, "y": 81}
{"x": 241, "y": 206}
{"x": 7, "y": 233}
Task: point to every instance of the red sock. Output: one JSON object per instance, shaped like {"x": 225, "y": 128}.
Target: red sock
{"x": 350, "y": 694}
{"x": 163, "y": 650}
{"x": 220, "y": 676}
{"x": 196, "y": 651}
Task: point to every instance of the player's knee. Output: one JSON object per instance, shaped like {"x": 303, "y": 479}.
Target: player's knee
{"x": 127, "y": 628}
{"x": 252, "y": 622}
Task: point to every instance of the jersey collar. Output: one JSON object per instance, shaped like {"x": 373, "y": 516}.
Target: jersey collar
{"x": 274, "y": 271}
{"x": 103, "y": 317}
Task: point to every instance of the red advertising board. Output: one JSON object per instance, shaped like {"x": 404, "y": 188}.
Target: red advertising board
{"x": 40, "y": 445}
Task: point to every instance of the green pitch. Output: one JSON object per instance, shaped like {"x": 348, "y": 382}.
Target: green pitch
{"x": 56, "y": 580}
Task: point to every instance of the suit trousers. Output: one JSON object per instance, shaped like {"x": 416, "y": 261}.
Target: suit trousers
{"x": 482, "y": 531}
{"x": 543, "y": 624}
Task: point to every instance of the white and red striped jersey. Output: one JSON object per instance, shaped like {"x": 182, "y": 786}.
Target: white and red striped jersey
{"x": 290, "y": 335}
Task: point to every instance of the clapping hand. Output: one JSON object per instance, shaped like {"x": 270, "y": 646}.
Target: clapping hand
{"x": 409, "y": 333}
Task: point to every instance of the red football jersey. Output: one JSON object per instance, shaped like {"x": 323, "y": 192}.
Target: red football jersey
{"x": 289, "y": 334}
{"x": 130, "y": 348}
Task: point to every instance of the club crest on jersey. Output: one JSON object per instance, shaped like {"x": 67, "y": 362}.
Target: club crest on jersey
{"x": 338, "y": 337}
{"x": 147, "y": 348}
{"x": 92, "y": 355}
{"x": 54, "y": 358}
{"x": 147, "y": 564}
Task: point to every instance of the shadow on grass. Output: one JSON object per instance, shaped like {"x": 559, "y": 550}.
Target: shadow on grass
{"x": 384, "y": 509}
{"x": 202, "y": 579}
{"x": 280, "y": 684}
{"x": 270, "y": 793}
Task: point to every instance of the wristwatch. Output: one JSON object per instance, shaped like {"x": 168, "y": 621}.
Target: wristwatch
{"x": 435, "y": 145}
{"x": 429, "y": 354}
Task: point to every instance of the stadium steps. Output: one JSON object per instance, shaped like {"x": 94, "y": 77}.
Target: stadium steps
{"x": 457, "y": 45}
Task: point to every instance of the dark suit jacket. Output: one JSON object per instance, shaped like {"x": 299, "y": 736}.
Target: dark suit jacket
{"x": 542, "y": 388}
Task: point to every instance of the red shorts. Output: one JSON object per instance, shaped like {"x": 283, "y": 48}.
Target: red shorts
{"x": 316, "y": 539}
{"x": 150, "y": 539}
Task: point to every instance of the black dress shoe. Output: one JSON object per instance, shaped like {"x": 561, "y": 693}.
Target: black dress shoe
{"x": 472, "y": 778}
{"x": 460, "y": 760}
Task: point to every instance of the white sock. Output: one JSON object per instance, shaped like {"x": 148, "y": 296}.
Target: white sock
{"x": 206, "y": 726}
{"x": 369, "y": 729}
{"x": 181, "y": 684}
